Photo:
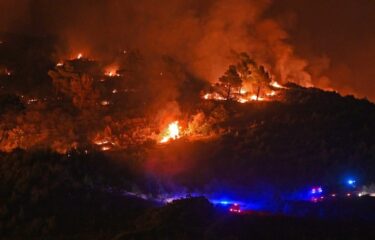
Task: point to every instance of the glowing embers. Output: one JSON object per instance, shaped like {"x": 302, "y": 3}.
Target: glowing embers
{"x": 105, "y": 103}
{"x": 247, "y": 94}
{"x": 104, "y": 143}
{"x": 111, "y": 71}
{"x": 171, "y": 133}
{"x": 5, "y": 71}
{"x": 60, "y": 64}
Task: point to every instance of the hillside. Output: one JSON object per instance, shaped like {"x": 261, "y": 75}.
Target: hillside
{"x": 264, "y": 150}
{"x": 313, "y": 137}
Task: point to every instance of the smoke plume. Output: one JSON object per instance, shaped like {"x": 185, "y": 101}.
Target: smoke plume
{"x": 201, "y": 36}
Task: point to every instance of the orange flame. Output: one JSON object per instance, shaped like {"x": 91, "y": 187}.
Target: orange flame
{"x": 172, "y": 132}
{"x": 276, "y": 85}
{"x": 111, "y": 71}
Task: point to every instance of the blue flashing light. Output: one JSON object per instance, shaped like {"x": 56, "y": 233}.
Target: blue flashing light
{"x": 351, "y": 182}
{"x": 316, "y": 190}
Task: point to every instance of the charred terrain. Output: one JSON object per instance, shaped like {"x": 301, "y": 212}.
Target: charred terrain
{"x": 92, "y": 149}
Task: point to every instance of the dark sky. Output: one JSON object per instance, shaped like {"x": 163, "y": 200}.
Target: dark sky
{"x": 329, "y": 43}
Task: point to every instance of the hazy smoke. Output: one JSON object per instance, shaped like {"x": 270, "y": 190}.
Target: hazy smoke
{"x": 199, "y": 35}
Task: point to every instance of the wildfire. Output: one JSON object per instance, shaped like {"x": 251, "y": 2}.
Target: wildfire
{"x": 172, "y": 132}
{"x": 213, "y": 96}
{"x": 254, "y": 97}
{"x": 271, "y": 94}
{"x": 245, "y": 95}
{"x": 276, "y": 85}
{"x": 111, "y": 71}
{"x": 79, "y": 56}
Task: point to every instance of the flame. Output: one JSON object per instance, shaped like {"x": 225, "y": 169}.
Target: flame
{"x": 79, "y": 56}
{"x": 243, "y": 91}
{"x": 243, "y": 100}
{"x": 213, "y": 96}
{"x": 254, "y": 97}
{"x": 111, "y": 71}
{"x": 271, "y": 94}
{"x": 244, "y": 95}
{"x": 101, "y": 142}
{"x": 276, "y": 85}
{"x": 172, "y": 132}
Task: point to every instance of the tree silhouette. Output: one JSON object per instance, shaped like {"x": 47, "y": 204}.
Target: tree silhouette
{"x": 230, "y": 80}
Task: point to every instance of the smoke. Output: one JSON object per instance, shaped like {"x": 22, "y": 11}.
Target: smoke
{"x": 201, "y": 36}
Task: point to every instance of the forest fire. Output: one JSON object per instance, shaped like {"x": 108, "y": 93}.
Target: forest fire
{"x": 277, "y": 85}
{"x": 171, "y": 133}
{"x": 245, "y": 81}
{"x": 245, "y": 96}
{"x": 111, "y": 71}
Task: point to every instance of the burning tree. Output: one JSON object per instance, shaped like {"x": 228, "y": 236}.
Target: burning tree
{"x": 256, "y": 76}
{"x": 261, "y": 80}
{"x": 230, "y": 81}
{"x": 245, "y": 81}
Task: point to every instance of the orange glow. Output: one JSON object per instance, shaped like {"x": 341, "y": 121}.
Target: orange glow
{"x": 8, "y": 72}
{"x": 243, "y": 100}
{"x": 254, "y": 97}
{"x": 276, "y": 85}
{"x": 213, "y": 96}
{"x": 271, "y": 94}
{"x": 79, "y": 56}
{"x": 111, "y": 71}
{"x": 101, "y": 142}
{"x": 172, "y": 132}
{"x": 245, "y": 95}
{"x": 243, "y": 91}
{"x": 104, "y": 103}
{"x": 105, "y": 148}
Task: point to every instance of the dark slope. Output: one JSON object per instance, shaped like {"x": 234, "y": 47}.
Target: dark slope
{"x": 312, "y": 137}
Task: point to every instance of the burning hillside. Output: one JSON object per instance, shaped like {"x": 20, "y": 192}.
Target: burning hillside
{"x": 244, "y": 82}
{"x": 109, "y": 108}
{"x": 106, "y": 105}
